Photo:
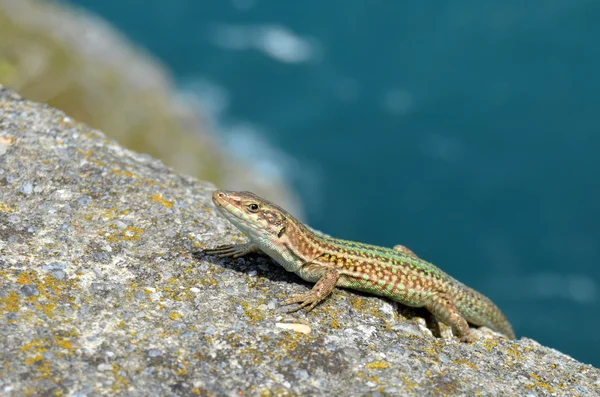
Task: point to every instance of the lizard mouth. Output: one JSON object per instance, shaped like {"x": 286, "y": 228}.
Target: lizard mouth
{"x": 231, "y": 207}
{"x": 226, "y": 203}
{"x": 221, "y": 198}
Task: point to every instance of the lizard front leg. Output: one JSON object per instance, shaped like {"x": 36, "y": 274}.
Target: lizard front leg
{"x": 233, "y": 250}
{"x": 319, "y": 292}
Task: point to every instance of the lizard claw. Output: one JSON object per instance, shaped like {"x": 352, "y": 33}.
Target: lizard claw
{"x": 310, "y": 300}
{"x": 231, "y": 250}
{"x": 469, "y": 338}
{"x": 221, "y": 251}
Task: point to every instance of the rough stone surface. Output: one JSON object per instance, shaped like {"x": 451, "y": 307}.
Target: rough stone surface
{"x": 100, "y": 294}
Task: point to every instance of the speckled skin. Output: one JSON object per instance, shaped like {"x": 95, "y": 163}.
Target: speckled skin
{"x": 397, "y": 274}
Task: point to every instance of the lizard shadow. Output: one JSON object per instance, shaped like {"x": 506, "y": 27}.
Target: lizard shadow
{"x": 263, "y": 265}
{"x": 268, "y": 268}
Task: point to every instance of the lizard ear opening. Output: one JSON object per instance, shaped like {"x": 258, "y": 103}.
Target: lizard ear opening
{"x": 281, "y": 232}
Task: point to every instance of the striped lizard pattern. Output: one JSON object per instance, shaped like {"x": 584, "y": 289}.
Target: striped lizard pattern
{"x": 395, "y": 273}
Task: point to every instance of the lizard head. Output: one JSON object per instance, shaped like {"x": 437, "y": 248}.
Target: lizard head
{"x": 254, "y": 216}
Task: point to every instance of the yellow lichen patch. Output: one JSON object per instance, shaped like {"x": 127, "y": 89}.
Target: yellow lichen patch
{"x": 208, "y": 282}
{"x": 182, "y": 365}
{"x": 255, "y": 356}
{"x": 33, "y": 359}
{"x": 334, "y": 323}
{"x": 51, "y": 285}
{"x": 513, "y": 351}
{"x": 358, "y": 303}
{"x": 254, "y": 315}
{"x": 175, "y": 315}
{"x": 164, "y": 202}
{"x": 130, "y": 233}
{"x": 409, "y": 384}
{"x": 124, "y": 173}
{"x": 52, "y": 291}
{"x": 5, "y": 208}
{"x": 120, "y": 381}
{"x": 98, "y": 163}
{"x": 25, "y": 278}
{"x": 171, "y": 292}
{"x": 431, "y": 353}
{"x": 44, "y": 369}
{"x": 31, "y": 391}
{"x": 377, "y": 365}
{"x": 539, "y": 383}
{"x": 489, "y": 344}
{"x": 87, "y": 154}
{"x": 465, "y": 362}
{"x": 32, "y": 346}
{"x": 276, "y": 392}
{"x": 109, "y": 214}
{"x": 10, "y": 303}
{"x": 47, "y": 309}
{"x": 34, "y": 351}
{"x": 289, "y": 345}
{"x": 31, "y": 299}
{"x": 63, "y": 343}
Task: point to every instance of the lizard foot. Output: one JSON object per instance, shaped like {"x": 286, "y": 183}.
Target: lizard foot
{"x": 468, "y": 338}
{"x": 311, "y": 300}
{"x": 320, "y": 291}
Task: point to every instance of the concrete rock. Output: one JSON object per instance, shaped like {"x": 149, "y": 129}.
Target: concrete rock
{"x": 100, "y": 294}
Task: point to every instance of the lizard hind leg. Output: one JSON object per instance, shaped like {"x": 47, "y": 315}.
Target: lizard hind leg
{"x": 404, "y": 250}
{"x": 442, "y": 307}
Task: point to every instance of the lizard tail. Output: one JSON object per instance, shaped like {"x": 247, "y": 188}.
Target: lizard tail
{"x": 479, "y": 310}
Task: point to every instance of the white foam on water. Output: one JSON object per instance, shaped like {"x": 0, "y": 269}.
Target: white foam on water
{"x": 273, "y": 40}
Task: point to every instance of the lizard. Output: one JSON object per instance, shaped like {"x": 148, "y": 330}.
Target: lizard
{"x": 394, "y": 273}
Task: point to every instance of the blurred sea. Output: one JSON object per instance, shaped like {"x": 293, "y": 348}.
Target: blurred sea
{"x": 467, "y": 131}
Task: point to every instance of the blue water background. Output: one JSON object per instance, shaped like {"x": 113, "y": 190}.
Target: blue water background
{"x": 465, "y": 130}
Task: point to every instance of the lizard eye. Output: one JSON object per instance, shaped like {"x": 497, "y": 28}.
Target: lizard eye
{"x": 252, "y": 207}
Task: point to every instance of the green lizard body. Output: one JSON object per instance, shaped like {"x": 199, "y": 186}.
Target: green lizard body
{"x": 397, "y": 274}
